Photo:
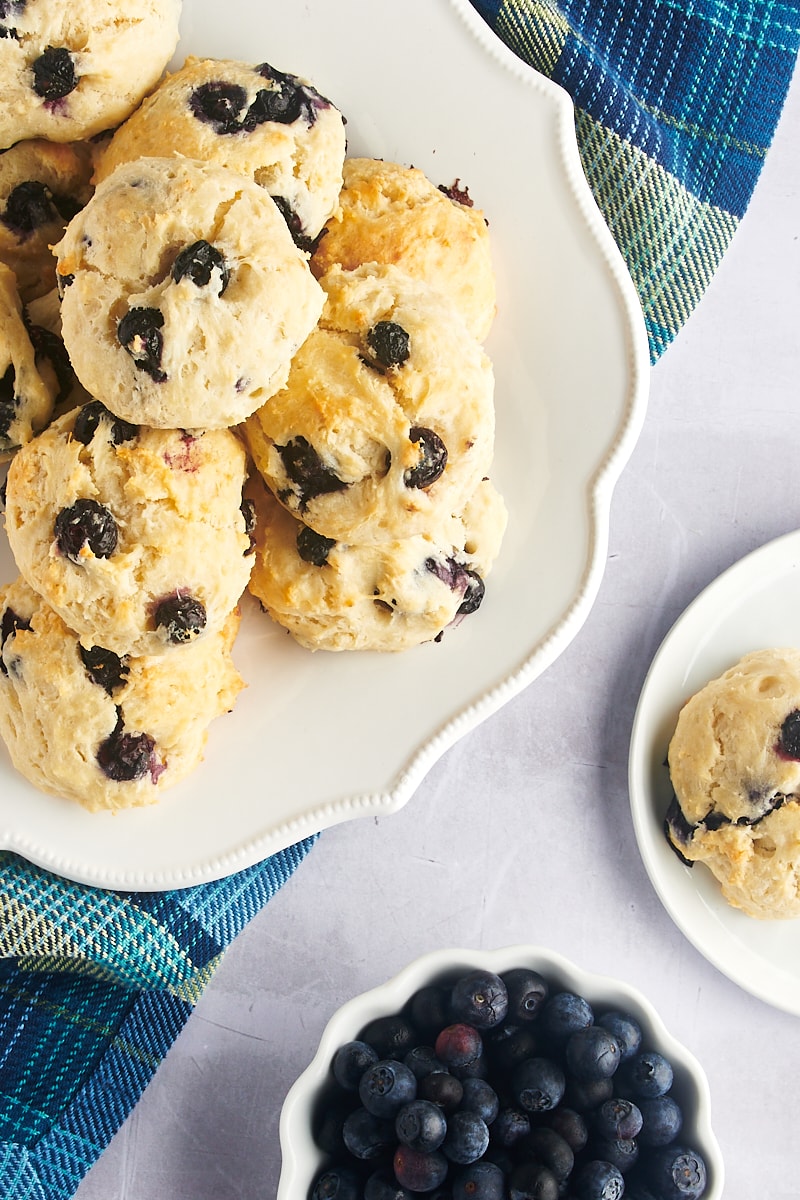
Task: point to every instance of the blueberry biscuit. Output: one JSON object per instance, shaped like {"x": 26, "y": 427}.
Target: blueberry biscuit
{"x": 71, "y": 70}
{"x": 184, "y": 296}
{"x": 386, "y": 423}
{"x": 734, "y": 762}
{"x": 389, "y": 213}
{"x": 391, "y": 595}
{"x": 135, "y": 536}
{"x": 106, "y": 730}
{"x": 29, "y": 371}
{"x": 42, "y": 186}
{"x": 264, "y": 123}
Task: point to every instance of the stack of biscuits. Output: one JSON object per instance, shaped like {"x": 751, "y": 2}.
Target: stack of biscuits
{"x": 239, "y": 359}
{"x": 178, "y": 296}
{"x": 377, "y": 519}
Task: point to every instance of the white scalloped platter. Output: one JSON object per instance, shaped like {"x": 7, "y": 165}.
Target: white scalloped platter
{"x": 319, "y": 738}
{"x": 753, "y": 605}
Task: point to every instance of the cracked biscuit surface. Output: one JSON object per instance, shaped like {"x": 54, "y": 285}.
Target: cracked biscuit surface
{"x": 734, "y": 763}
{"x": 184, "y": 295}
{"x": 71, "y": 70}
{"x": 390, "y": 213}
{"x": 386, "y": 423}
{"x": 252, "y": 118}
{"x": 390, "y": 595}
{"x": 135, "y": 536}
{"x": 106, "y": 731}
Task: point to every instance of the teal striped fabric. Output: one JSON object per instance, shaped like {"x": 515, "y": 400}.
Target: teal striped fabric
{"x": 676, "y": 103}
{"x": 94, "y": 988}
{"x": 675, "y": 106}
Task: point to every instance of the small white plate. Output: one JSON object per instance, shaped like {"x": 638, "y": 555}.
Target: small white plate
{"x": 320, "y": 738}
{"x": 754, "y": 605}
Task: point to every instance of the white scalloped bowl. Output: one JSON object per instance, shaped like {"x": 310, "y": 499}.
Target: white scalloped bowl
{"x": 302, "y": 1159}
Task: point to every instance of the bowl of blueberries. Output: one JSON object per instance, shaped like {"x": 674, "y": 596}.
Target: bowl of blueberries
{"x": 499, "y": 1075}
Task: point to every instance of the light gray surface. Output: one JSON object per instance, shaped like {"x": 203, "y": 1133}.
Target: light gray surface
{"x": 522, "y": 831}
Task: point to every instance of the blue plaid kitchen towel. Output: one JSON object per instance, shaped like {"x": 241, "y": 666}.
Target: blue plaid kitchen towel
{"x": 676, "y": 103}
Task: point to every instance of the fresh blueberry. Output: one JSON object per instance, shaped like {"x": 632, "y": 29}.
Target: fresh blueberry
{"x": 637, "y": 1189}
{"x": 467, "y": 1137}
{"x": 328, "y": 1123}
{"x": 382, "y": 1185}
{"x": 307, "y": 471}
{"x": 367, "y": 1136}
{"x": 571, "y": 1126}
{"x": 386, "y": 1086}
{"x": 337, "y": 1183}
{"x": 313, "y": 547}
{"x": 482, "y": 1180}
{"x": 432, "y": 458}
{"x": 350, "y": 1062}
{"x": 587, "y": 1096}
{"x": 124, "y": 757}
{"x": 479, "y": 999}
{"x": 391, "y": 1036}
{"x": 622, "y": 1153}
{"x": 592, "y": 1053}
{"x": 618, "y": 1118}
{"x": 481, "y": 1098}
{"x": 389, "y": 342}
{"x": 104, "y": 667}
{"x": 676, "y": 1172}
{"x": 546, "y": 1146}
{"x": 89, "y": 524}
{"x": 421, "y": 1125}
{"x": 459, "y": 1045}
{"x": 139, "y": 332}
{"x": 510, "y": 1045}
{"x": 54, "y": 74}
{"x": 429, "y": 1009}
{"x": 565, "y": 1013}
{"x": 647, "y": 1075}
{"x": 200, "y": 262}
{"x": 533, "y": 1181}
{"x": 527, "y": 992}
{"x": 538, "y": 1084}
{"x": 626, "y": 1029}
{"x": 509, "y": 1127}
{"x": 443, "y": 1089}
{"x": 418, "y": 1171}
{"x": 598, "y": 1180}
{"x": 180, "y": 616}
{"x": 89, "y": 418}
{"x": 422, "y": 1061}
{"x": 662, "y": 1120}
